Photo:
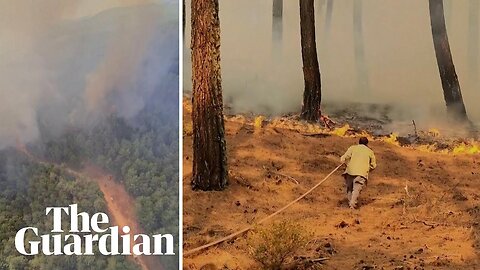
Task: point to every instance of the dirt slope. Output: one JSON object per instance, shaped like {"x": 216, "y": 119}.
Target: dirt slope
{"x": 435, "y": 226}
{"x": 121, "y": 208}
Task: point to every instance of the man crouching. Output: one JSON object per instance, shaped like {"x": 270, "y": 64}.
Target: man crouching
{"x": 360, "y": 160}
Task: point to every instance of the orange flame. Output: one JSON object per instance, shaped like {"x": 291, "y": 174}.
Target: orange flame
{"x": 464, "y": 148}
{"x": 341, "y": 131}
{"x": 392, "y": 139}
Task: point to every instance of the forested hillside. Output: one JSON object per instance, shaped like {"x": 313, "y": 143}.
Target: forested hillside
{"x": 27, "y": 189}
{"x": 142, "y": 153}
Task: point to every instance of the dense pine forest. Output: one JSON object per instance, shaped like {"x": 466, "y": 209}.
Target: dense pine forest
{"x": 29, "y": 189}
{"x": 142, "y": 153}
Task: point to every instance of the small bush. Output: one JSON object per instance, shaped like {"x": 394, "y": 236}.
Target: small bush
{"x": 272, "y": 246}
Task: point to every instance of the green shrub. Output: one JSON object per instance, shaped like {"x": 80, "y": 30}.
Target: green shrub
{"x": 271, "y": 246}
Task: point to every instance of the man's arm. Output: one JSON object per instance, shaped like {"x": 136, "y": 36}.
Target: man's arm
{"x": 347, "y": 155}
{"x": 373, "y": 161}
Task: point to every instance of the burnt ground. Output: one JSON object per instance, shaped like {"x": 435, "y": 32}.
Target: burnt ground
{"x": 435, "y": 225}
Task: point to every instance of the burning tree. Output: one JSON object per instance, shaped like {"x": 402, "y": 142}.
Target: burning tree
{"x": 450, "y": 84}
{"x": 312, "y": 94}
{"x": 209, "y": 146}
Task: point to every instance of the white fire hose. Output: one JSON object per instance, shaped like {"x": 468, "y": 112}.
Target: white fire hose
{"x": 235, "y": 234}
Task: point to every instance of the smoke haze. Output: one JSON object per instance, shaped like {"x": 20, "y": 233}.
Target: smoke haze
{"x": 399, "y": 57}
{"x": 69, "y": 63}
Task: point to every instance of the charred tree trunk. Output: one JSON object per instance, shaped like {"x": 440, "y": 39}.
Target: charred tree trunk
{"x": 312, "y": 94}
{"x": 473, "y": 42}
{"x": 209, "y": 146}
{"x": 183, "y": 19}
{"x": 360, "y": 65}
{"x": 448, "y": 75}
{"x": 277, "y": 22}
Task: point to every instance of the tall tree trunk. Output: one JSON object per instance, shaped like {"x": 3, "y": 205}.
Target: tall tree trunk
{"x": 473, "y": 42}
{"x": 450, "y": 84}
{"x": 277, "y": 31}
{"x": 209, "y": 146}
{"x": 359, "y": 50}
{"x": 183, "y": 19}
{"x": 312, "y": 94}
{"x": 277, "y": 21}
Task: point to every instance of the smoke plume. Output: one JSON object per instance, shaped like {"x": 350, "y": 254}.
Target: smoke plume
{"x": 68, "y": 64}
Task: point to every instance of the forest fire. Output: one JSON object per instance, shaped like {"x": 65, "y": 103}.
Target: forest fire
{"x": 341, "y": 131}
{"x": 306, "y": 151}
{"x": 430, "y": 140}
{"x": 91, "y": 119}
{"x": 375, "y": 86}
{"x": 121, "y": 208}
{"x": 467, "y": 148}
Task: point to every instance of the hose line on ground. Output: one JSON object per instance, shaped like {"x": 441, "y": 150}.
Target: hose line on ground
{"x": 237, "y": 233}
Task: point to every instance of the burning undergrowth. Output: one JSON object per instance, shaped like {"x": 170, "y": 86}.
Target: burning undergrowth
{"x": 374, "y": 121}
{"x": 413, "y": 212}
{"x": 431, "y": 140}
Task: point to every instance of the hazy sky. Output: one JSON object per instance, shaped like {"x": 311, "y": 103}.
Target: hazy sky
{"x": 68, "y": 62}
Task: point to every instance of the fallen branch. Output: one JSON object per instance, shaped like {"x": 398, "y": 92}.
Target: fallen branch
{"x": 303, "y": 262}
{"x": 277, "y": 130}
{"x": 281, "y": 174}
{"x": 327, "y": 122}
{"x": 318, "y": 260}
{"x": 415, "y": 128}
{"x": 240, "y": 180}
{"x": 322, "y": 135}
{"x": 431, "y": 225}
{"x": 408, "y": 195}
{"x": 406, "y": 188}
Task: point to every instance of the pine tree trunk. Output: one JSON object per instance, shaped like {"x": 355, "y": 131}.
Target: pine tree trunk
{"x": 209, "y": 146}
{"x": 277, "y": 22}
{"x": 450, "y": 84}
{"x": 183, "y": 19}
{"x": 277, "y": 31}
{"x": 360, "y": 65}
{"x": 312, "y": 94}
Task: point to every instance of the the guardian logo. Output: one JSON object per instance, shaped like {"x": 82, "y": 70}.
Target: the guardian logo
{"x": 81, "y": 241}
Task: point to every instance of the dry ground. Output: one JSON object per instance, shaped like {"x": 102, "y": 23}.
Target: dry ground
{"x": 436, "y": 226}
{"x": 121, "y": 209}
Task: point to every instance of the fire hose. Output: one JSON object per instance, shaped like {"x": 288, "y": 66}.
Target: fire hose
{"x": 237, "y": 233}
